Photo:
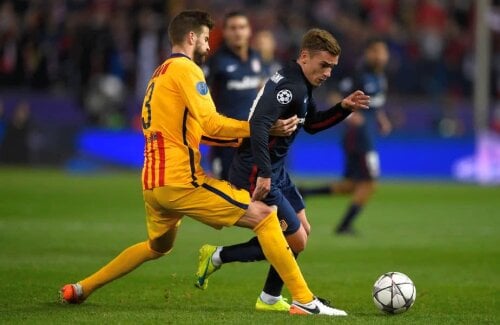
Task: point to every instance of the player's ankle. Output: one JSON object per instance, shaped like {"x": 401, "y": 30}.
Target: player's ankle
{"x": 216, "y": 260}
{"x": 269, "y": 299}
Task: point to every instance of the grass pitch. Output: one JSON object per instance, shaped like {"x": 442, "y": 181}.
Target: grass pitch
{"x": 57, "y": 228}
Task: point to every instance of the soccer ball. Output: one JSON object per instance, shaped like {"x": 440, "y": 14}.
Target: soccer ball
{"x": 394, "y": 293}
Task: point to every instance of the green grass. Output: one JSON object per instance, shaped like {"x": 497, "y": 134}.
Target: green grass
{"x": 57, "y": 228}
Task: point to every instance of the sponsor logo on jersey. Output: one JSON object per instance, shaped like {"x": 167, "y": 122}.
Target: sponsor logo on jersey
{"x": 246, "y": 83}
{"x": 283, "y": 225}
{"x": 202, "y": 88}
{"x": 231, "y": 68}
{"x": 256, "y": 67}
{"x": 284, "y": 96}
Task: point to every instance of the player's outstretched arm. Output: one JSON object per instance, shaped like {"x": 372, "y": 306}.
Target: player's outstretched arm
{"x": 321, "y": 120}
{"x": 281, "y": 128}
{"x": 195, "y": 93}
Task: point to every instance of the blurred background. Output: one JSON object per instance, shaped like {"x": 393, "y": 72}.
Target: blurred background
{"x": 73, "y": 75}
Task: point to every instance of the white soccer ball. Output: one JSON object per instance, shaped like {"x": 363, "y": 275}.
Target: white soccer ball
{"x": 394, "y": 293}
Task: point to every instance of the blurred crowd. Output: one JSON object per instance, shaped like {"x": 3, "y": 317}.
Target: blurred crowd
{"x": 58, "y": 43}
{"x": 103, "y": 51}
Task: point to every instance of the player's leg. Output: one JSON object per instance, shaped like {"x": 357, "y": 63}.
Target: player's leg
{"x": 295, "y": 234}
{"x": 162, "y": 230}
{"x": 361, "y": 195}
{"x": 264, "y": 221}
{"x": 270, "y": 298}
{"x": 342, "y": 187}
{"x": 276, "y": 250}
{"x": 212, "y": 257}
{"x": 296, "y": 229}
{"x": 230, "y": 206}
{"x": 251, "y": 250}
{"x": 363, "y": 170}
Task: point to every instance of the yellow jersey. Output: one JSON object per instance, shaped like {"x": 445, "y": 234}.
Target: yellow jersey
{"x": 178, "y": 114}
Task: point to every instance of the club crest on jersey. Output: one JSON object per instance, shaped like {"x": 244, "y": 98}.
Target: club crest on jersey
{"x": 256, "y": 67}
{"x": 202, "y": 88}
{"x": 284, "y": 96}
{"x": 283, "y": 225}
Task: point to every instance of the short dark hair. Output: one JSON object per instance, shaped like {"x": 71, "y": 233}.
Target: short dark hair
{"x": 232, "y": 14}
{"x": 188, "y": 21}
{"x": 374, "y": 40}
{"x": 316, "y": 40}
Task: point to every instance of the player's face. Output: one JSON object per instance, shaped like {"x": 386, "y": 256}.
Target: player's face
{"x": 317, "y": 66}
{"x": 201, "y": 46}
{"x": 237, "y": 32}
{"x": 377, "y": 55}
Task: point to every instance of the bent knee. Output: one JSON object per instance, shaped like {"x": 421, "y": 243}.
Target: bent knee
{"x": 297, "y": 244}
{"x": 298, "y": 247}
{"x": 157, "y": 250}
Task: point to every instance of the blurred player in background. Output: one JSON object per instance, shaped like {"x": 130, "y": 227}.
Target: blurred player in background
{"x": 259, "y": 165}
{"x": 177, "y": 115}
{"x": 234, "y": 75}
{"x": 361, "y": 158}
{"x": 14, "y": 147}
{"x": 265, "y": 44}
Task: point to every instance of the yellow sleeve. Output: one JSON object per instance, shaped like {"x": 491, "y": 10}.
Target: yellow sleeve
{"x": 195, "y": 93}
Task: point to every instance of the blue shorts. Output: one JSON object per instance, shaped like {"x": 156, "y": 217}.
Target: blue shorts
{"x": 286, "y": 197}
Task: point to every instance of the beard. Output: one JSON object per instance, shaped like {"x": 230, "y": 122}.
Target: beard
{"x": 199, "y": 56}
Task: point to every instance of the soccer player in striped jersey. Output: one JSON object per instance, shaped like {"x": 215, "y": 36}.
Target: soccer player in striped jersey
{"x": 177, "y": 115}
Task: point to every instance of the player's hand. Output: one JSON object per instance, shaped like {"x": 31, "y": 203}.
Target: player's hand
{"x": 356, "y": 100}
{"x": 284, "y": 128}
{"x": 262, "y": 188}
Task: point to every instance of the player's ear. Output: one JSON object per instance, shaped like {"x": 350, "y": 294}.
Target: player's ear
{"x": 191, "y": 37}
{"x": 304, "y": 56}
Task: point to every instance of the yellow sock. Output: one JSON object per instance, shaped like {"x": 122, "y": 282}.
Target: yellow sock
{"x": 279, "y": 254}
{"x": 124, "y": 263}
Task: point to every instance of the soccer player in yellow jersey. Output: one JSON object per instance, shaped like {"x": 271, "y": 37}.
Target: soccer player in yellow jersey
{"x": 177, "y": 115}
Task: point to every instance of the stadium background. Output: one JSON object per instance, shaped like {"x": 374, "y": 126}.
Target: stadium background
{"x": 79, "y": 68}
{"x": 72, "y": 76}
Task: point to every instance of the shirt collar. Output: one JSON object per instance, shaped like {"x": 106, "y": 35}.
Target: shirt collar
{"x": 178, "y": 55}
{"x": 297, "y": 69}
